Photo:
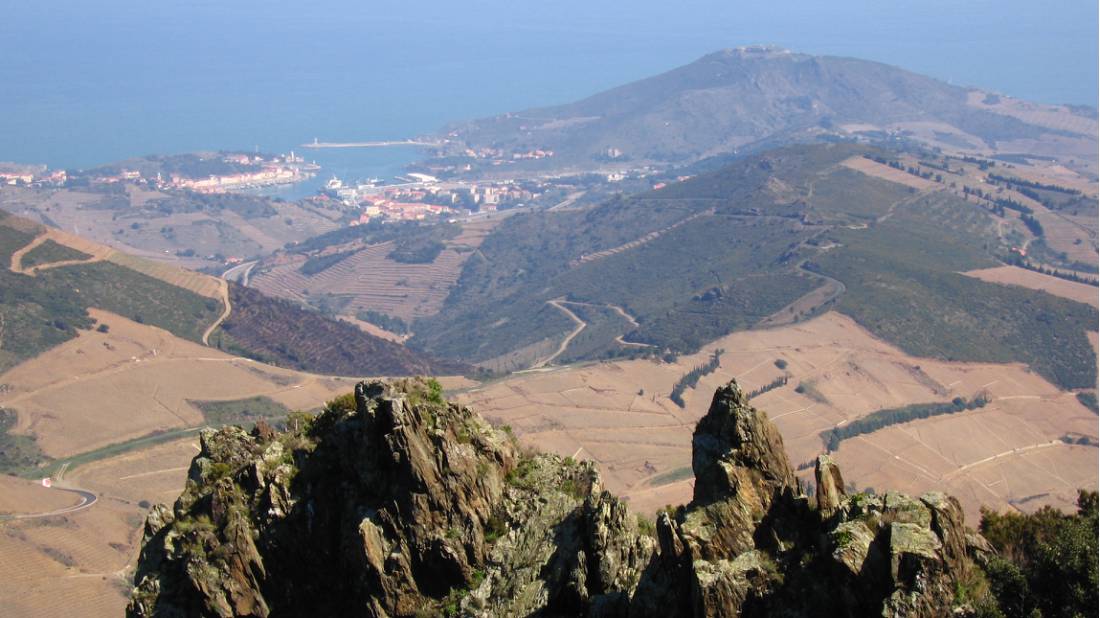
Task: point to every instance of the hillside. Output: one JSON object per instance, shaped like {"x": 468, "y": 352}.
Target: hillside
{"x": 45, "y": 306}
{"x": 283, "y": 333}
{"x": 48, "y": 287}
{"x": 360, "y": 269}
{"x": 396, "y": 503}
{"x": 189, "y": 229}
{"x": 746, "y": 98}
{"x": 771, "y": 239}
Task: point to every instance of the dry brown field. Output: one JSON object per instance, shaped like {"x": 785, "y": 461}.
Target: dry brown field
{"x": 69, "y": 565}
{"x": 1063, "y": 233}
{"x": 81, "y": 563}
{"x": 19, "y": 496}
{"x": 103, "y": 388}
{"x": 619, "y": 414}
{"x": 1012, "y": 275}
{"x": 1057, "y": 117}
{"x": 885, "y": 172}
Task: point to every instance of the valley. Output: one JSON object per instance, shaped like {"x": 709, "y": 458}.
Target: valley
{"x": 1009, "y": 454}
{"x": 905, "y": 283}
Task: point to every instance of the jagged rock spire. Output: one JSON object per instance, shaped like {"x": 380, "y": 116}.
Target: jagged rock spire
{"x": 400, "y": 504}
{"x": 830, "y": 484}
{"x": 736, "y": 443}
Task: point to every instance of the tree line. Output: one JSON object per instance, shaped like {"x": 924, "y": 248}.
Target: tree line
{"x": 774, "y": 384}
{"x": 1032, "y": 224}
{"x": 691, "y": 378}
{"x": 1017, "y": 260}
{"x": 895, "y": 416}
{"x": 1031, "y": 184}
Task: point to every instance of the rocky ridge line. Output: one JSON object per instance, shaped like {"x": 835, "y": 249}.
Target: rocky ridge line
{"x": 398, "y": 503}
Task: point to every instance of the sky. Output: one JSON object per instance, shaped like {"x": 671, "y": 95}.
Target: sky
{"x": 89, "y": 82}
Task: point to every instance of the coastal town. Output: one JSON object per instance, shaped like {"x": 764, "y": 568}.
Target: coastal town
{"x": 198, "y": 173}
{"x": 419, "y": 196}
{"x": 451, "y": 192}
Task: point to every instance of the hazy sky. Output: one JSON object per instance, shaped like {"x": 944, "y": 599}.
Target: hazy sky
{"x": 87, "y": 81}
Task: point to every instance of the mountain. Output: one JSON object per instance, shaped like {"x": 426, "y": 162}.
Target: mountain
{"x": 746, "y": 98}
{"x": 396, "y": 503}
{"x": 771, "y": 239}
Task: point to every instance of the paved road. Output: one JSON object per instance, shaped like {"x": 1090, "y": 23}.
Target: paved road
{"x": 239, "y": 273}
{"x": 87, "y": 499}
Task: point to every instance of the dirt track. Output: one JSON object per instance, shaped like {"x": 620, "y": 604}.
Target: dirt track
{"x": 568, "y": 338}
{"x": 98, "y": 253}
{"x": 226, "y": 309}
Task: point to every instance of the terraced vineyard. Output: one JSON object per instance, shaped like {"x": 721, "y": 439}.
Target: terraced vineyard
{"x": 369, "y": 280}
{"x": 203, "y": 285}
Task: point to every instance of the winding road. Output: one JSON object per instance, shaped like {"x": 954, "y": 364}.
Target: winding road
{"x": 557, "y": 302}
{"x": 87, "y": 499}
{"x": 237, "y": 274}
{"x": 223, "y": 291}
{"x": 16, "y": 265}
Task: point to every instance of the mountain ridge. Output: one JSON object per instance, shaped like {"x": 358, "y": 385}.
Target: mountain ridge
{"x": 731, "y": 99}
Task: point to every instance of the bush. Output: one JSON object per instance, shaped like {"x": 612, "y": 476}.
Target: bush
{"x": 1047, "y": 561}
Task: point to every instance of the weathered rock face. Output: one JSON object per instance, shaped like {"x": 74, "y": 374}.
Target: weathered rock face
{"x": 395, "y": 506}
{"x": 403, "y": 505}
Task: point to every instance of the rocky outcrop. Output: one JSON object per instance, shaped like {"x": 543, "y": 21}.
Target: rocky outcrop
{"x": 830, "y": 484}
{"x": 400, "y": 504}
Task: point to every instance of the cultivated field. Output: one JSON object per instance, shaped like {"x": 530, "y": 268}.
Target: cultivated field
{"x": 69, "y": 565}
{"x": 104, "y": 388}
{"x": 885, "y": 172}
{"x": 19, "y": 496}
{"x": 619, "y": 414}
{"x": 94, "y": 251}
{"x": 81, "y": 563}
{"x": 1012, "y": 275}
{"x": 127, "y": 223}
{"x": 1056, "y": 117}
{"x": 101, "y": 389}
{"x": 372, "y": 281}
{"x": 201, "y": 284}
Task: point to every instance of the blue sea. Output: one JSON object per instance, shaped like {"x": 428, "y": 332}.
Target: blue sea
{"x": 85, "y": 83}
